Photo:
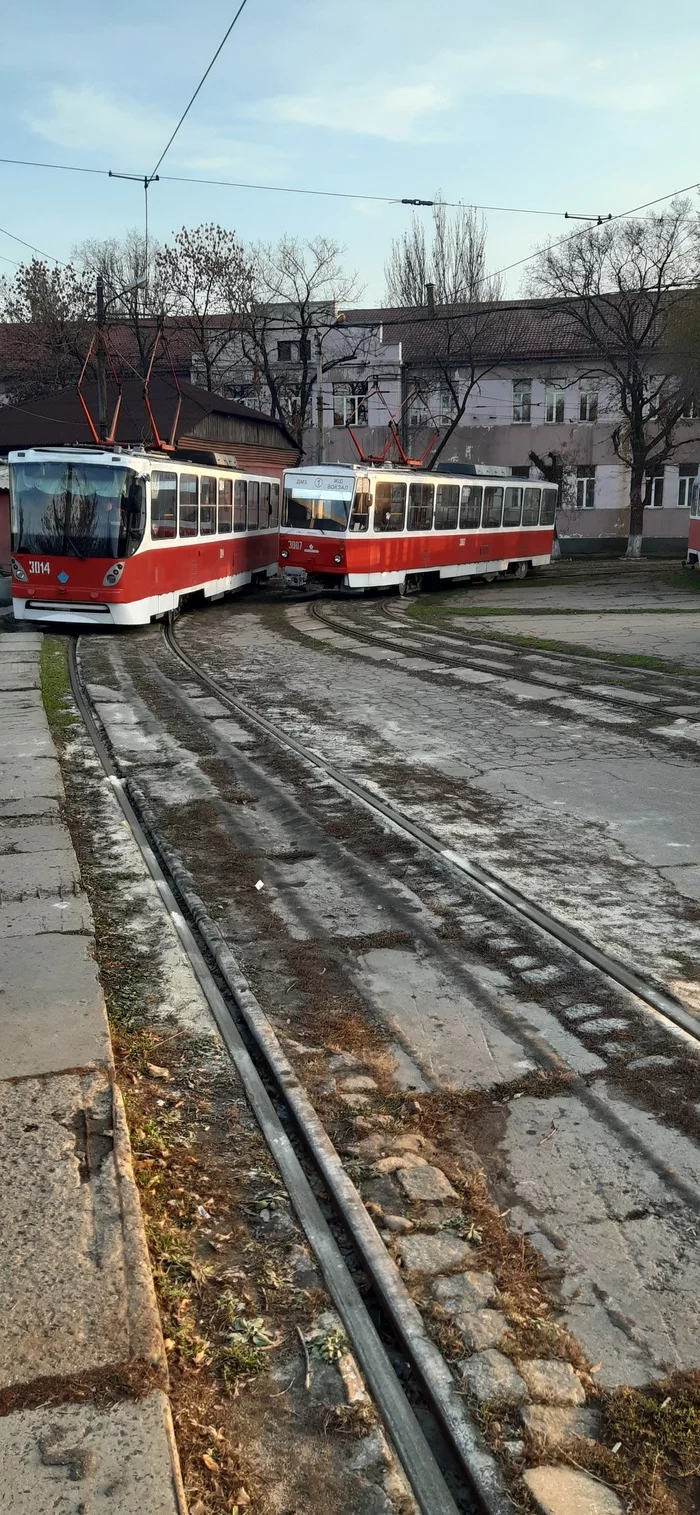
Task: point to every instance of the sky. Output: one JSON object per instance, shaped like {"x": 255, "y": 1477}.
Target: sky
{"x": 548, "y": 107}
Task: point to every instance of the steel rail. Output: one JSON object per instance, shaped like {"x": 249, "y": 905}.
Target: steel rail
{"x": 663, "y": 1003}
{"x": 414, "y": 1454}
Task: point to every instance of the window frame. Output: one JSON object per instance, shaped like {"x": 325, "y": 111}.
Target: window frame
{"x": 189, "y": 505}
{"x": 477, "y": 490}
{"x": 240, "y": 522}
{"x": 588, "y": 400}
{"x": 224, "y": 507}
{"x": 522, "y": 401}
{"x": 167, "y": 535}
{"x": 493, "y": 490}
{"x": 274, "y": 504}
{"x": 687, "y": 480}
{"x": 253, "y": 505}
{"x": 395, "y": 486}
{"x": 512, "y": 489}
{"x": 441, "y": 505}
{"x": 358, "y": 520}
{"x": 350, "y": 402}
{"x": 422, "y": 505}
{"x": 585, "y": 486}
{"x": 554, "y": 400}
{"x": 530, "y": 489}
{"x": 549, "y": 492}
{"x": 657, "y": 489}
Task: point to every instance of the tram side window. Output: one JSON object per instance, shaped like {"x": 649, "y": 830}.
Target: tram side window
{"x": 163, "y": 505}
{"x": 531, "y": 507}
{"x": 420, "y": 507}
{"x": 264, "y": 506}
{"x": 189, "y": 511}
{"x": 389, "y": 506}
{"x": 549, "y": 507}
{"x": 470, "y": 509}
{"x": 361, "y": 506}
{"x": 446, "y": 507}
{"x": 253, "y": 505}
{"x": 225, "y": 515}
{"x": 493, "y": 506}
{"x": 512, "y": 507}
{"x": 207, "y": 506}
{"x": 274, "y": 504}
{"x": 239, "y": 505}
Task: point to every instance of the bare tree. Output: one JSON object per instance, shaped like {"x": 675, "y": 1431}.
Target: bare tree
{"x": 452, "y": 259}
{"x": 205, "y": 278}
{"x": 136, "y": 292}
{"x": 464, "y": 347}
{"x": 624, "y": 285}
{"x": 298, "y": 293}
{"x": 48, "y": 311}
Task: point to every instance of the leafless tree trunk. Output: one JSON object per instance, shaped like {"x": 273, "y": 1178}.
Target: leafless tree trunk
{"x": 204, "y": 277}
{"x": 48, "y": 311}
{"x": 471, "y": 345}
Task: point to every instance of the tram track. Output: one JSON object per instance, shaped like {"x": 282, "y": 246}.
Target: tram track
{"x": 192, "y": 908}
{"x": 650, "y": 993}
{"x": 261, "y": 1065}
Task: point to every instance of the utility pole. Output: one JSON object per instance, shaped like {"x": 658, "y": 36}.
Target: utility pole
{"x": 101, "y": 368}
{"x": 319, "y": 400}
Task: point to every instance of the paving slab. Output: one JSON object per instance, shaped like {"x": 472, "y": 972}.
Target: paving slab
{"x": 81, "y": 1310}
{"x": 52, "y": 1011}
{"x": 38, "y": 917}
{"x": 40, "y": 837}
{"x": 38, "y": 874}
{"x": 19, "y": 675}
{"x": 21, "y": 781}
{"x": 116, "y": 1461}
{"x": 43, "y": 807}
{"x": 556, "y": 1424}
{"x": 564, "y": 1491}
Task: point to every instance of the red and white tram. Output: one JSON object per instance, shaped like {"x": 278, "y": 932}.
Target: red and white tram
{"x": 359, "y": 527}
{"x": 693, "y": 558}
{"x": 115, "y": 536}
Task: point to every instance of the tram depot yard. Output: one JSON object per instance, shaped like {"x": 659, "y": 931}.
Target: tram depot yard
{"x": 348, "y": 1033}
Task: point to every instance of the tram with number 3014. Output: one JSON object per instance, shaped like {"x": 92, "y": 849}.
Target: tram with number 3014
{"x": 119, "y": 536}
{"x": 359, "y": 526}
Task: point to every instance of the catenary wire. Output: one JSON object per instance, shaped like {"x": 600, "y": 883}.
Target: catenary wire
{"x": 13, "y": 238}
{"x": 205, "y": 76}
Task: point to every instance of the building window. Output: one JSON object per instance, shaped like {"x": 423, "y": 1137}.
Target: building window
{"x": 686, "y": 474}
{"x": 585, "y": 487}
{"x": 691, "y": 408}
{"x": 588, "y": 400}
{"x": 287, "y": 352}
{"x": 350, "y": 403}
{"x": 304, "y": 349}
{"x": 655, "y": 488}
{"x": 447, "y": 408}
{"x": 522, "y": 400}
{"x": 554, "y": 402}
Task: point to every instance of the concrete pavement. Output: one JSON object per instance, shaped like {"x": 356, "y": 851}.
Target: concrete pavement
{"x": 76, "y": 1293}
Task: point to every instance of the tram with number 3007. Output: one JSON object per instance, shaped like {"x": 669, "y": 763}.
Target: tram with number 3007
{"x": 359, "y": 526}
{"x": 118, "y": 536}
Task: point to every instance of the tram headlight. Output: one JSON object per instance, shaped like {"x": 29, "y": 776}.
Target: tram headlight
{"x": 338, "y": 557}
{"x": 113, "y": 575}
{"x": 284, "y": 553}
{"x": 18, "y": 571}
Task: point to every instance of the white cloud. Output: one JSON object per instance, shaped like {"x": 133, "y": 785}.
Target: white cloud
{"x": 127, "y": 135}
{"x": 373, "y": 107}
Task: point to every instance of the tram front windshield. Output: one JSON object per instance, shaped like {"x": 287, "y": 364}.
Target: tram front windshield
{"x": 324, "y": 513}
{"x": 81, "y": 510}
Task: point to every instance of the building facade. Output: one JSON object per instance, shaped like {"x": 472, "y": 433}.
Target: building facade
{"x": 537, "y": 403}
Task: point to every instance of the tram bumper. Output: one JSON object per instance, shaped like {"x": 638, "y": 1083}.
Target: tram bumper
{"x": 295, "y": 578}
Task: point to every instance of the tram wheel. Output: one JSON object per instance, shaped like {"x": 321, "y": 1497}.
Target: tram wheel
{"x": 519, "y": 570}
{"x": 412, "y": 584}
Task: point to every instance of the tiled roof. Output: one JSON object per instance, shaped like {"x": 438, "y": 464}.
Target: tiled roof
{"x": 57, "y": 419}
{"x": 515, "y": 330}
